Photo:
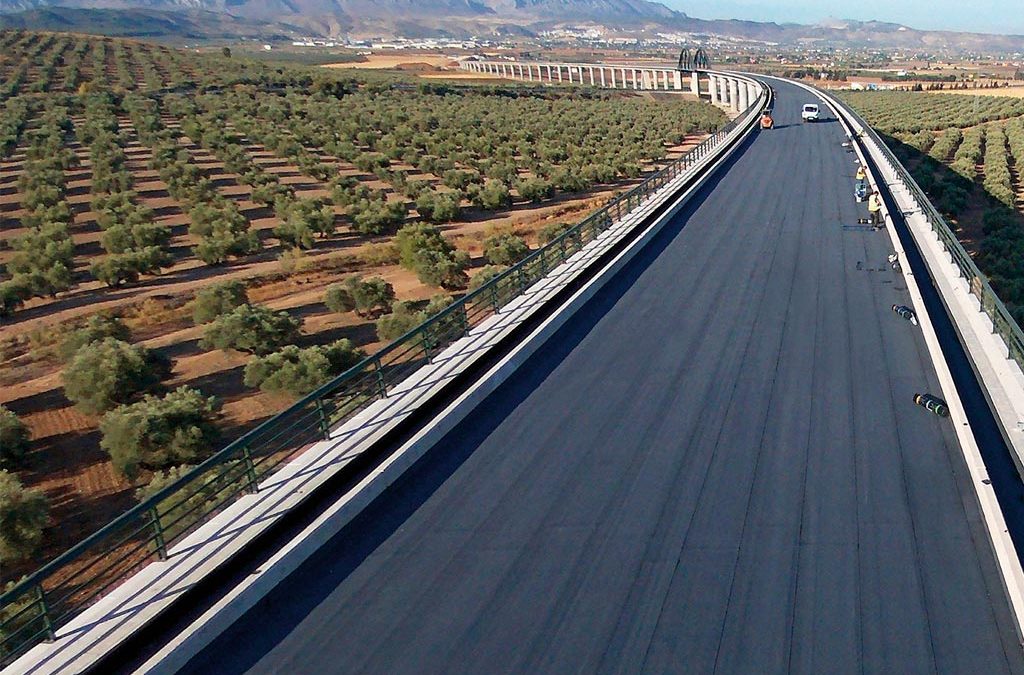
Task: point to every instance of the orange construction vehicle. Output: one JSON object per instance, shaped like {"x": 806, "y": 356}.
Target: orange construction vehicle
{"x": 766, "y": 120}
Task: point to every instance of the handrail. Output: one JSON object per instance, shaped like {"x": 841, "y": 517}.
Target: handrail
{"x": 42, "y": 602}
{"x": 1002, "y": 320}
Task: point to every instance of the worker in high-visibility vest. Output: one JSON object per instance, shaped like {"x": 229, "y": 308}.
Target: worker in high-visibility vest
{"x": 875, "y": 210}
{"x": 861, "y": 175}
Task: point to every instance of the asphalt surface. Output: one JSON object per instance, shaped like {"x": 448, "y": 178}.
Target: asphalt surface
{"x": 716, "y": 466}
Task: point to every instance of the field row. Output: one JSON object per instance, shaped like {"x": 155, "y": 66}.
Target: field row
{"x": 246, "y": 242}
{"x": 970, "y": 168}
{"x": 910, "y": 112}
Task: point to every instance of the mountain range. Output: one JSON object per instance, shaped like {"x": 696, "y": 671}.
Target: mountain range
{"x": 461, "y": 18}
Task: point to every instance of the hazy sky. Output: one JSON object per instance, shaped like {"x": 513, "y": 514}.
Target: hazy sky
{"x": 987, "y": 16}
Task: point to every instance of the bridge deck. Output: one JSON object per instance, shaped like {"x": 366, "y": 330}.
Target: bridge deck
{"x": 716, "y": 466}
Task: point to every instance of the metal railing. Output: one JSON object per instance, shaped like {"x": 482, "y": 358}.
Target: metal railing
{"x": 38, "y": 605}
{"x": 1002, "y": 320}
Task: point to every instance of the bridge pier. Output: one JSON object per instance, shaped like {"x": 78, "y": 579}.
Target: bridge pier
{"x": 723, "y": 90}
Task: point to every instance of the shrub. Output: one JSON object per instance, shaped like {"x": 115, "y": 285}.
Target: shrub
{"x": 505, "y": 249}
{"x": 23, "y": 515}
{"x": 553, "y": 231}
{"x": 14, "y": 439}
{"x": 294, "y": 232}
{"x": 377, "y": 215}
{"x": 13, "y": 294}
{"x": 183, "y": 508}
{"x": 493, "y": 195}
{"x": 402, "y": 319}
{"x": 218, "y": 299}
{"x": 294, "y": 261}
{"x": 251, "y": 328}
{"x": 485, "y": 274}
{"x": 159, "y": 432}
{"x": 121, "y": 268}
{"x": 426, "y": 252}
{"x": 296, "y": 371}
{"x": 534, "y": 189}
{"x": 123, "y": 238}
{"x": 376, "y": 255}
{"x": 96, "y": 328}
{"x": 438, "y": 207}
{"x": 370, "y": 298}
{"x": 110, "y": 372}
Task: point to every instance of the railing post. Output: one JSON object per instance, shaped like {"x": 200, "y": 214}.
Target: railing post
{"x": 464, "y": 319}
{"x": 382, "y": 388}
{"x": 158, "y": 534}
{"x": 322, "y": 421}
{"x": 425, "y": 341}
{"x": 543, "y": 261}
{"x": 44, "y": 612}
{"x": 494, "y": 296}
{"x": 250, "y": 470}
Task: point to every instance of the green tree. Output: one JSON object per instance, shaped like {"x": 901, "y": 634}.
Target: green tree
{"x": 493, "y": 195}
{"x": 159, "y": 432}
{"x": 251, "y": 328}
{"x": 14, "y": 439}
{"x": 425, "y": 251}
{"x": 23, "y": 515}
{"x": 222, "y": 298}
{"x": 369, "y": 297}
{"x": 534, "y": 189}
{"x": 438, "y": 207}
{"x": 485, "y": 274}
{"x": 402, "y": 319}
{"x": 505, "y": 249}
{"x": 296, "y": 371}
{"x": 13, "y": 294}
{"x": 110, "y": 372}
{"x": 96, "y": 328}
{"x": 553, "y": 231}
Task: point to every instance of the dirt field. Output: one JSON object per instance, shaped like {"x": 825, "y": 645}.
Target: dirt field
{"x": 66, "y": 461}
{"x": 396, "y": 61}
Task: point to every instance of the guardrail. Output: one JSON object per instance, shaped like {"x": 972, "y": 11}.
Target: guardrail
{"x": 40, "y": 604}
{"x": 1002, "y": 320}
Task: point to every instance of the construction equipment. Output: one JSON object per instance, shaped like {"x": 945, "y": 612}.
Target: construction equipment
{"x": 906, "y": 313}
{"x": 932, "y": 404}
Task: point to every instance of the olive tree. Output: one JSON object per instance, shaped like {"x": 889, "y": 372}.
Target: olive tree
{"x": 213, "y": 301}
{"x": 296, "y": 372}
{"x": 14, "y": 439}
{"x": 251, "y": 328}
{"x": 111, "y": 372}
{"x": 160, "y": 432}
{"x": 425, "y": 251}
{"x": 505, "y": 249}
{"x": 23, "y": 515}
{"x": 369, "y": 297}
{"x": 402, "y": 319}
{"x": 96, "y": 328}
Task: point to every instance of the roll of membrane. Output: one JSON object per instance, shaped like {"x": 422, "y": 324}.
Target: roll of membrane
{"x": 932, "y": 404}
{"x": 906, "y": 313}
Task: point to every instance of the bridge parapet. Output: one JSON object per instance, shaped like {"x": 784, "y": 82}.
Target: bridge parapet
{"x": 721, "y": 88}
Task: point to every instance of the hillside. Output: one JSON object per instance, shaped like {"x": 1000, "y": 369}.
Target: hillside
{"x": 464, "y": 18}
{"x": 146, "y": 23}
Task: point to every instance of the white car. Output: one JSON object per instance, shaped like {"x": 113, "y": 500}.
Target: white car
{"x": 810, "y": 112}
